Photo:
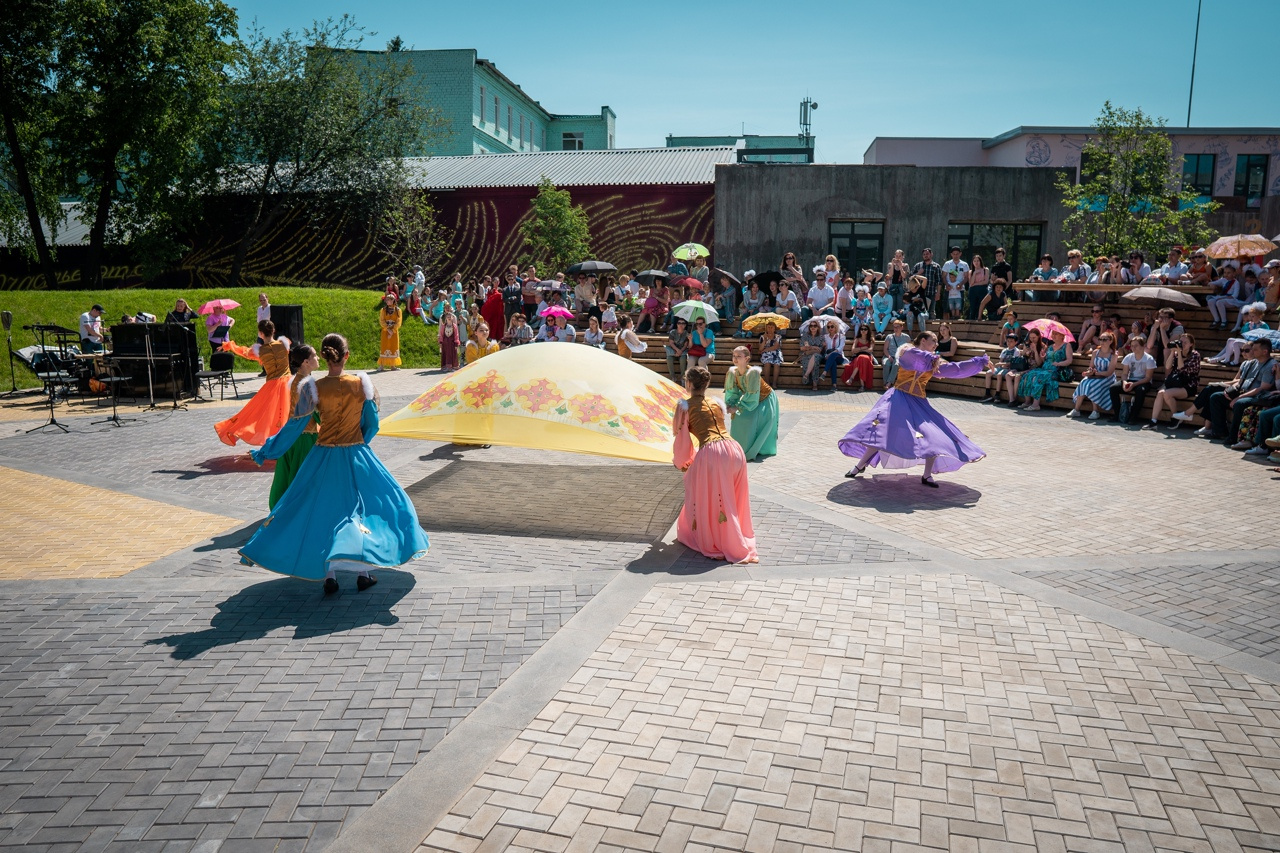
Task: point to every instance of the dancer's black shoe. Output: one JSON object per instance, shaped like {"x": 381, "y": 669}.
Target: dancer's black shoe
{"x": 363, "y": 582}
{"x": 330, "y": 586}
{"x": 856, "y": 471}
{"x": 928, "y": 481}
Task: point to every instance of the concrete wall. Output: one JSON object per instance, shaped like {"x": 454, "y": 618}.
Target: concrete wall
{"x": 924, "y": 151}
{"x": 764, "y": 211}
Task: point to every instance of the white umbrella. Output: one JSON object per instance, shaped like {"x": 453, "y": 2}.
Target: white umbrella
{"x": 693, "y": 309}
{"x": 822, "y": 320}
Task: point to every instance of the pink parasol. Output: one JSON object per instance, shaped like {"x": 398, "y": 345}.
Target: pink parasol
{"x": 556, "y": 311}
{"x": 1047, "y": 327}
{"x": 687, "y": 281}
{"x": 215, "y": 305}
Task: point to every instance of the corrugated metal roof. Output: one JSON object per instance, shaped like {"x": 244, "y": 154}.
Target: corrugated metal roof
{"x": 614, "y": 167}
{"x": 74, "y": 230}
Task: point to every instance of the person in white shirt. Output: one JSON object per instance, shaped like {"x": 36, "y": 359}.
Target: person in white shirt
{"x": 91, "y": 339}
{"x": 1175, "y": 271}
{"x": 955, "y": 276}
{"x": 1138, "y": 366}
{"x": 821, "y": 298}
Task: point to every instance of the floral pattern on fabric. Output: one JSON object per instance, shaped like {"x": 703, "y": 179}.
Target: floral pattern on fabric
{"x": 434, "y": 397}
{"x": 485, "y": 390}
{"x": 590, "y": 408}
{"x": 539, "y": 395}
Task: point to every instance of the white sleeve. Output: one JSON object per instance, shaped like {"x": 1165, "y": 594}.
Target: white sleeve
{"x": 370, "y": 393}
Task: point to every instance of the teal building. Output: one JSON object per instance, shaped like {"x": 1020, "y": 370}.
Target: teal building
{"x": 754, "y": 148}
{"x": 485, "y": 112}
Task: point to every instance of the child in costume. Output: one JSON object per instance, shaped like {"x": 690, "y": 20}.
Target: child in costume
{"x": 753, "y": 405}
{"x": 264, "y": 415}
{"x": 450, "y": 340}
{"x": 716, "y": 517}
{"x": 389, "y": 320}
{"x": 902, "y": 429}
{"x": 343, "y": 509}
{"x": 290, "y": 446}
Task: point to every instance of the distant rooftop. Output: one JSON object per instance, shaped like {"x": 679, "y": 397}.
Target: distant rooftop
{"x": 613, "y": 167}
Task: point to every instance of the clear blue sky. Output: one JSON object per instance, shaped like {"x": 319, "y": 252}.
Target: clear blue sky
{"x": 884, "y": 68}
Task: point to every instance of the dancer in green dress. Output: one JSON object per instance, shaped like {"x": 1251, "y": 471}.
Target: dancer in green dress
{"x": 753, "y": 405}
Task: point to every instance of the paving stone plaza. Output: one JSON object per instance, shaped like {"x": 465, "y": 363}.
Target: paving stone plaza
{"x": 1072, "y": 645}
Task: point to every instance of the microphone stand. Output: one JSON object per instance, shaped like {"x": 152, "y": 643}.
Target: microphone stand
{"x": 173, "y": 369}
{"x": 151, "y": 390}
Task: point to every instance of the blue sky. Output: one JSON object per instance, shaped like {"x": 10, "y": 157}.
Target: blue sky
{"x": 924, "y": 68}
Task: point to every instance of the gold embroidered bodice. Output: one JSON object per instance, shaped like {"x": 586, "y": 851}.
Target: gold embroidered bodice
{"x": 912, "y": 382}
{"x": 340, "y": 403}
{"x": 706, "y": 420}
{"x": 275, "y": 359}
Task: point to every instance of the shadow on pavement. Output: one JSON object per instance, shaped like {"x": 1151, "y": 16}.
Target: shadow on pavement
{"x": 256, "y": 611}
{"x": 239, "y": 463}
{"x": 231, "y": 540}
{"x": 902, "y": 493}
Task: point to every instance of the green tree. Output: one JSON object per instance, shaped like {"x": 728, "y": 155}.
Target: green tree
{"x": 29, "y": 182}
{"x": 556, "y": 232}
{"x": 410, "y": 232}
{"x": 316, "y": 127}
{"x": 1130, "y": 195}
{"x": 139, "y": 83}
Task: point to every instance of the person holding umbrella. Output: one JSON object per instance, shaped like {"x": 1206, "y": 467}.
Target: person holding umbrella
{"x": 217, "y": 324}
{"x": 702, "y": 344}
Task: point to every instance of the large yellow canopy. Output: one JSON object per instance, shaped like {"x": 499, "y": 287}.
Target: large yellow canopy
{"x": 548, "y": 396}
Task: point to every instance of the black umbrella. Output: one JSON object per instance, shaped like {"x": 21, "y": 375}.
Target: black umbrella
{"x": 647, "y": 277}
{"x": 591, "y": 266}
{"x": 767, "y": 276}
{"x": 733, "y": 278}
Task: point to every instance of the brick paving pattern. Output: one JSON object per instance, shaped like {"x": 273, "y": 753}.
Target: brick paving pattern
{"x": 58, "y": 529}
{"x": 1237, "y": 604}
{"x": 788, "y": 538}
{"x": 168, "y": 721}
{"x": 1039, "y": 490}
{"x": 936, "y": 713}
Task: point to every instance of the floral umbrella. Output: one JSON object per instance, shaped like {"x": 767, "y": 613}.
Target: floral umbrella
{"x": 572, "y": 398}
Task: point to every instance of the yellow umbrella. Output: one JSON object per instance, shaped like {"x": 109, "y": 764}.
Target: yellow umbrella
{"x": 1239, "y": 244}
{"x": 757, "y": 321}
{"x": 548, "y": 396}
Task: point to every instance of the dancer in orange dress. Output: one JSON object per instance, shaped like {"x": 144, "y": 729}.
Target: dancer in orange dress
{"x": 716, "y": 517}
{"x": 270, "y": 409}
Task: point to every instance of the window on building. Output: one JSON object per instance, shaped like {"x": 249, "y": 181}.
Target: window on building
{"x": 1197, "y": 173}
{"x": 543, "y": 136}
{"x": 508, "y": 121}
{"x": 520, "y": 138}
{"x": 1251, "y": 178}
{"x": 1022, "y": 243}
{"x": 857, "y": 245}
{"x": 482, "y": 104}
{"x": 572, "y": 141}
{"x": 496, "y": 114}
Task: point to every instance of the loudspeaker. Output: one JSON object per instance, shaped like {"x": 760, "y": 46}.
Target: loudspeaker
{"x": 288, "y": 322}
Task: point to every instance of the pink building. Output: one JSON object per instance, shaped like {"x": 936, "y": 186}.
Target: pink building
{"x": 1238, "y": 167}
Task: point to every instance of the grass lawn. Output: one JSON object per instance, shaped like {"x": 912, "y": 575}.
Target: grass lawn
{"x": 352, "y": 313}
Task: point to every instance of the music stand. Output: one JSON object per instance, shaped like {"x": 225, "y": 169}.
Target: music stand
{"x": 113, "y": 379}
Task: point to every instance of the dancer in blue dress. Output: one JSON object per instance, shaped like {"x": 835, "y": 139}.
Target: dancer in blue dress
{"x": 343, "y": 508}
{"x": 902, "y": 430}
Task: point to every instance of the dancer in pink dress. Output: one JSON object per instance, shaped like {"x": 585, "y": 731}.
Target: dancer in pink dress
{"x": 902, "y": 430}
{"x": 716, "y": 517}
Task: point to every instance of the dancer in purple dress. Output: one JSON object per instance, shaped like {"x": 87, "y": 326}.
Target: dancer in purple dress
{"x": 902, "y": 429}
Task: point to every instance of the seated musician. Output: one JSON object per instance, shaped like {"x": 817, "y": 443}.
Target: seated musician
{"x": 181, "y": 313}
{"x": 91, "y": 339}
